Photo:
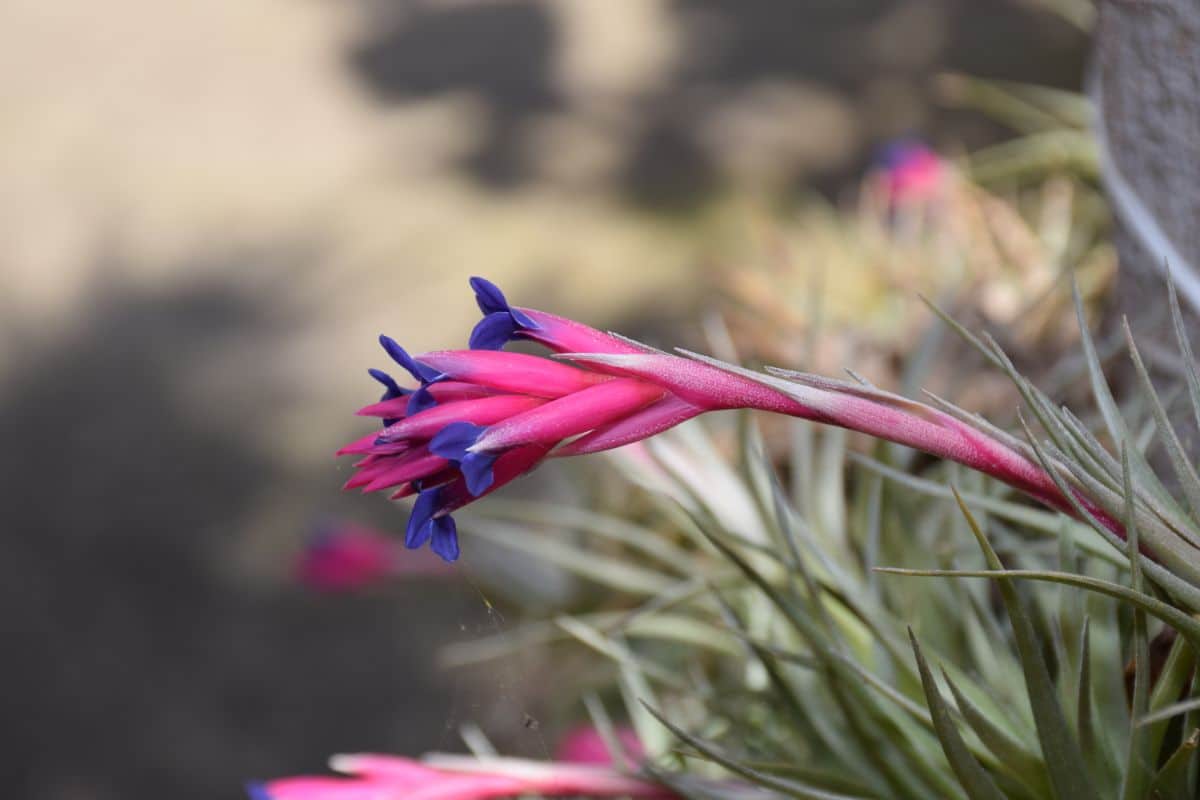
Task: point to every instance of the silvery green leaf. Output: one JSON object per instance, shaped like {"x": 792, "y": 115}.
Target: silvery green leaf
{"x": 973, "y": 778}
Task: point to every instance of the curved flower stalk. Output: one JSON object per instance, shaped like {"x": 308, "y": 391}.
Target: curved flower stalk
{"x": 480, "y": 418}
{"x": 378, "y": 777}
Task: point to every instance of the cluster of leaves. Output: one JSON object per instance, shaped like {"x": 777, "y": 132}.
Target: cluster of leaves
{"x": 767, "y": 646}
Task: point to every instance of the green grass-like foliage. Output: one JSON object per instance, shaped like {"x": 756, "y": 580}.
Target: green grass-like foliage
{"x": 871, "y": 628}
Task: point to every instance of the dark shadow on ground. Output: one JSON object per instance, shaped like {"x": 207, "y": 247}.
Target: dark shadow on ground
{"x": 136, "y": 663}
{"x": 498, "y": 52}
{"x": 502, "y": 54}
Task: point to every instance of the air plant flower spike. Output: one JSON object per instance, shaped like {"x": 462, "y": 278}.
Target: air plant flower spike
{"x": 482, "y": 417}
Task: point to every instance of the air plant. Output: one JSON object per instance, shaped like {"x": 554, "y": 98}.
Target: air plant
{"x": 763, "y": 648}
{"x": 778, "y": 648}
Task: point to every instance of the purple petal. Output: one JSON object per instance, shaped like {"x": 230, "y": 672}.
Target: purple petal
{"x": 452, "y": 441}
{"x": 476, "y": 468}
{"x": 420, "y": 400}
{"x": 564, "y": 335}
{"x": 526, "y": 322}
{"x": 421, "y": 372}
{"x": 488, "y": 296}
{"x": 257, "y": 791}
{"x": 493, "y": 331}
{"x": 420, "y": 526}
{"x": 445, "y": 538}
{"x": 393, "y": 388}
{"x": 501, "y": 322}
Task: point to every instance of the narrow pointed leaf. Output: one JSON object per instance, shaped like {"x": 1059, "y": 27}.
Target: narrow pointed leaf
{"x": 1184, "y": 589}
{"x": 781, "y": 785}
{"x": 1173, "y": 781}
{"x": 1185, "y": 349}
{"x": 612, "y": 572}
{"x": 1021, "y": 764}
{"x": 1064, "y": 760}
{"x": 1101, "y": 393}
{"x": 1174, "y": 678}
{"x": 1189, "y": 481}
{"x": 1173, "y": 710}
{"x": 1139, "y": 766}
{"x": 1152, "y": 606}
{"x": 1093, "y": 744}
{"x": 973, "y": 778}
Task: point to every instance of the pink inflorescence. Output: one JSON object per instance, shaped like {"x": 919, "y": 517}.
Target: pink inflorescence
{"x": 479, "y": 418}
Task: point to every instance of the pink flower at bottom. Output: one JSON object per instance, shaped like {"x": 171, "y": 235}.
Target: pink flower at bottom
{"x": 378, "y": 777}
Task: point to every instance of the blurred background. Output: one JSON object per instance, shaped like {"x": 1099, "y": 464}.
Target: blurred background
{"x": 210, "y": 210}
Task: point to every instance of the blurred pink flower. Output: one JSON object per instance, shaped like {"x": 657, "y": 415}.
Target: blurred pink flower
{"x": 346, "y": 557}
{"x": 377, "y": 777}
{"x": 585, "y": 745}
{"x": 911, "y": 172}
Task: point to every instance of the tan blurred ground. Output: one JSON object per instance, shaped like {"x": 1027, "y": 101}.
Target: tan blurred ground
{"x": 162, "y": 130}
{"x": 164, "y": 137}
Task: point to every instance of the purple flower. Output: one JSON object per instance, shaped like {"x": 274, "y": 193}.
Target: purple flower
{"x": 486, "y": 416}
